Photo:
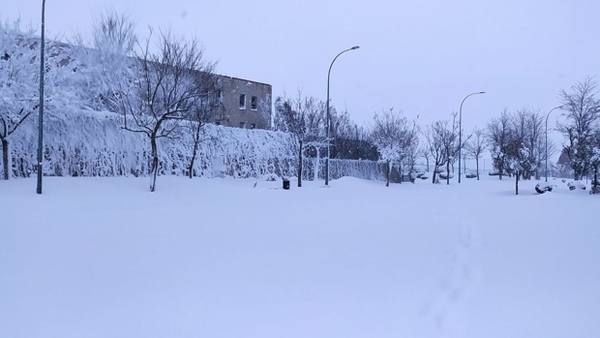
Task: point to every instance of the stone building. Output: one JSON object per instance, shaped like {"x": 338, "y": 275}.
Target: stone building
{"x": 244, "y": 103}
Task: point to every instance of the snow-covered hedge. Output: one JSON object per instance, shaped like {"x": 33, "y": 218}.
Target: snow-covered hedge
{"x": 90, "y": 143}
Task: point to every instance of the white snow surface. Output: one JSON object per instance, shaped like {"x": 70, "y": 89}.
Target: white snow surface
{"x": 222, "y": 257}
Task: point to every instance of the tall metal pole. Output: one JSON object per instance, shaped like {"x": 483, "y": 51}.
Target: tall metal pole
{"x": 547, "y": 116}
{"x": 460, "y": 130}
{"x": 41, "y": 113}
{"x": 328, "y": 116}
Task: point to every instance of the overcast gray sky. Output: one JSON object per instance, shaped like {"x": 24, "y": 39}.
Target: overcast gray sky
{"x": 421, "y": 56}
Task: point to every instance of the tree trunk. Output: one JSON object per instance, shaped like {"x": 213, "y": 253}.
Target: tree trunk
{"x": 154, "y": 168}
{"x": 595, "y": 183}
{"x": 195, "y": 149}
{"x": 193, "y": 159}
{"x": 477, "y": 166}
{"x": 517, "y": 174}
{"x": 5, "y": 158}
{"x": 448, "y": 173}
{"x": 300, "y": 165}
{"x": 387, "y": 174}
{"x": 316, "y": 178}
{"x": 400, "y": 172}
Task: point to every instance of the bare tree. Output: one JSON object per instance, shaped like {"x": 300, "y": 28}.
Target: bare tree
{"x": 498, "y": 134}
{"x": 204, "y": 108}
{"x": 393, "y": 136}
{"x": 534, "y": 143}
{"x": 476, "y": 146}
{"x": 450, "y": 144}
{"x": 304, "y": 119}
{"x": 434, "y": 134}
{"x": 163, "y": 93}
{"x": 582, "y": 112}
{"x": 409, "y": 159}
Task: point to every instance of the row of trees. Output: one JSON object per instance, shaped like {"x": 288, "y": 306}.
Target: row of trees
{"x": 516, "y": 141}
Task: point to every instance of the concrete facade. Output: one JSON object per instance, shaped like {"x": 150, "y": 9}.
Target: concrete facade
{"x": 244, "y": 103}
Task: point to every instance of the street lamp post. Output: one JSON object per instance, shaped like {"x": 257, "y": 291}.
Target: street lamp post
{"x": 460, "y": 130}
{"x": 328, "y": 117}
{"x": 547, "y": 116}
{"x": 41, "y": 105}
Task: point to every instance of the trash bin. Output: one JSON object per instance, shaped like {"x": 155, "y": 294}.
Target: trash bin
{"x": 286, "y": 184}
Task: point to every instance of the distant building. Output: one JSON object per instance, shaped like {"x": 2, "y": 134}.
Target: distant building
{"x": 245, "y": 104}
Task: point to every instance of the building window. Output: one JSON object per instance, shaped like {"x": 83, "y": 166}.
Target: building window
{"x": 254, "y": 103}
{"x": 243, "y": 101}
{"x": 242, "y": 124}
{"x": 252, "y": 125}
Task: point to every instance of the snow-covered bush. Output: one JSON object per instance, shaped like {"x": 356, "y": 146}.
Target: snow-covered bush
{"x": 576, "y": 185}
{"x": 542, "y": 187}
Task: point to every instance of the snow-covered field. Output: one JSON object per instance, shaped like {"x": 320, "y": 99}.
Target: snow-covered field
{"x": 103, "y": 257}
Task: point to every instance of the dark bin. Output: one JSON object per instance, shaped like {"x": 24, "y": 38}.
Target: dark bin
{"x": 286, "y": 184}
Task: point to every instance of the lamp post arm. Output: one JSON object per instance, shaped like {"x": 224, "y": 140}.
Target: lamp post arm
{"x": 335, "y": 58}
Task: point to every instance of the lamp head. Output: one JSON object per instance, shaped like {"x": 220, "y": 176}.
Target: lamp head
{"x": 355, "y": 47}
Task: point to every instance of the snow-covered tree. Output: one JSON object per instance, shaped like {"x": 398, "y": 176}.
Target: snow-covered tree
{"x": 165, "y": 89}
{"x": 265, "y": 109}
{"x": 104, "y": 59}
{"x": 517, "y": 158}
{"x": 582, "y": 108}
{"x": 393, "y": 135}
{"x": 595, "y": 162}
{"x": 516, "y": 144}
{"x": 20, "y": 84}
{"x": 304, "y": 118}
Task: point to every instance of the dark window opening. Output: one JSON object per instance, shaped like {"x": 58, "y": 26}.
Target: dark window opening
{"x": 254, "y": 103}
{"x": 243, "y": 101}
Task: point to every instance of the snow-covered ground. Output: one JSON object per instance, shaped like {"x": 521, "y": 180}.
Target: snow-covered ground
{"x": 103, "y": 257}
